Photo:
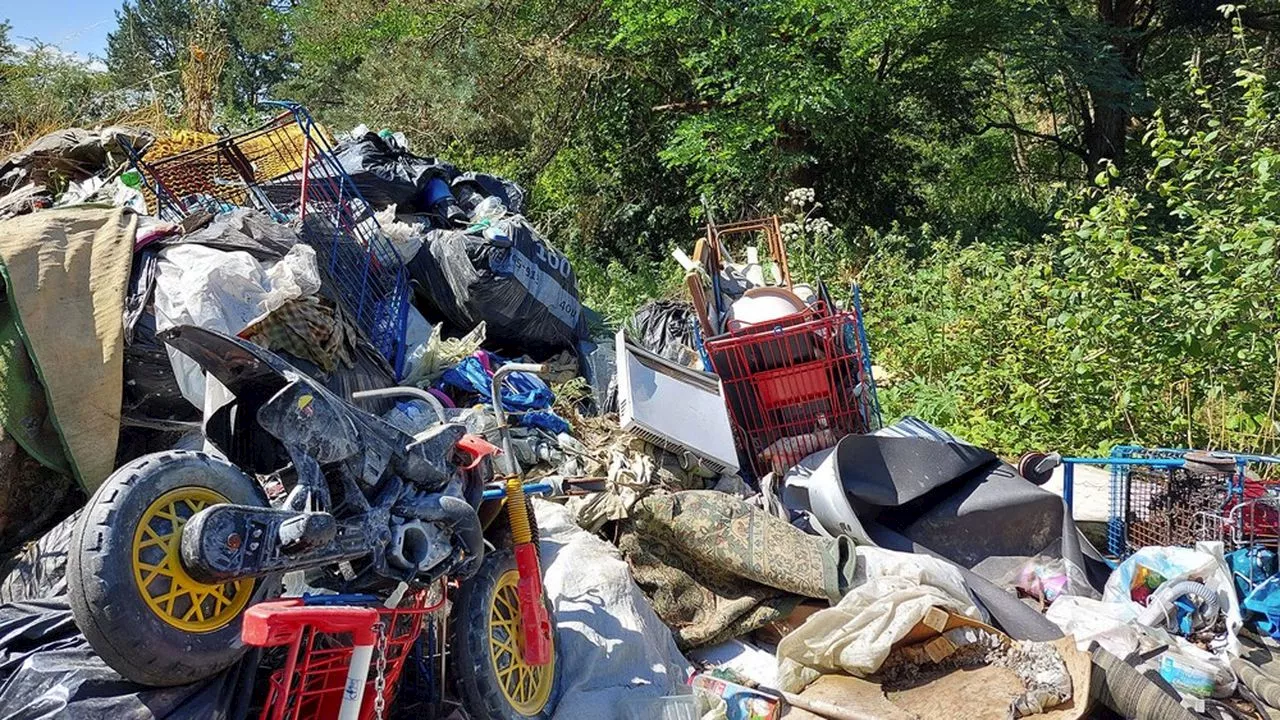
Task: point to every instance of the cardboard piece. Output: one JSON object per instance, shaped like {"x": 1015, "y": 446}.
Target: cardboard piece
{"x": 976, "y": 694}
{"x": 848, "y": 692}
{"x": 773, "y": 633}
{"x": 985, "y": 693}
{"x": 936, "y": 622}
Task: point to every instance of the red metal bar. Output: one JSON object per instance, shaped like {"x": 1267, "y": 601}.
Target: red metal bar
{"x": 535, "y": 622}
{"x": 306, "y": 174}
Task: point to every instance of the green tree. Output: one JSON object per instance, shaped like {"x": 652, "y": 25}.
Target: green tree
{"x": 1151, "y": 317}
{"x": 531, "y": 90}
{"x": 150, "y": 43}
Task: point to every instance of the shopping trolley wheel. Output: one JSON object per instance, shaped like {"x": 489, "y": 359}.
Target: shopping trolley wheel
{"x": 1038, "y": 467}
{"x": 129, "y": 593}
{"x": 494, "y": 682}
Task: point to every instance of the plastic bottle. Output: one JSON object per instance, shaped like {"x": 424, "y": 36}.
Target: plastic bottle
{"x": 1196, "y": 673}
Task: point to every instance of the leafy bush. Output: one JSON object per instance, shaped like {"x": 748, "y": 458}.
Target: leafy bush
{"x": 43, "y": 89}
{"x": 1152, "y": 316}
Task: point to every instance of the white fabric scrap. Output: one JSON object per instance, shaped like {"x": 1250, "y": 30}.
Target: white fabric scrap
{"x": 854, "y": 637}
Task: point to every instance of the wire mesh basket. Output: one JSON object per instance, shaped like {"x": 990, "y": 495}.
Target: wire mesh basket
{"x": 287, "y": 169}
{"x": 1247, "y": 522}
{"x": 1192, "y": 496}
{"x": 794, "y": 386}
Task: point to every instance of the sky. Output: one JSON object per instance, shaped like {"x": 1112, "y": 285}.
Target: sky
{"x": 78, "y": 27}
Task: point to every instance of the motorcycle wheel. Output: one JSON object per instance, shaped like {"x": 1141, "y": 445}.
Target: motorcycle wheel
{"x": 493, "y": 680}
{"x": 140, "y": 610}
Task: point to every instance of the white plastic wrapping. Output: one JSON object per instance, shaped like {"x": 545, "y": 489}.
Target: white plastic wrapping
{"x": 295, "y": 275}
{"x": 223, "y": 291}
{"x": 1113, "y": 622}
{"x": 855, "y": 636}
{"x": 406, "y": 238}
{"x": 1112, "y": 625}
{"x": 1204, "y": 563}
{"x": 610, "y": 644}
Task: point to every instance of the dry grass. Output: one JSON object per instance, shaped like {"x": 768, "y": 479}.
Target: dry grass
{"x": 202, "y": 67}
{"x": 150, "y": 117}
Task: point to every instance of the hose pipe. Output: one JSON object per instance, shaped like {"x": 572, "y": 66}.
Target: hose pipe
{"x": 518, "y": 512}
{"x": 1160, "y": 607}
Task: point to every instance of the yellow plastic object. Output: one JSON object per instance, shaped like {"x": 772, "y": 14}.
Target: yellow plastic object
{"x": 178, "y": 143}
{"x": 208, "y": 167}
{"x": 518, "y": 512}
{"x": 165, "y": 586}
{"x": 525, "y": 687}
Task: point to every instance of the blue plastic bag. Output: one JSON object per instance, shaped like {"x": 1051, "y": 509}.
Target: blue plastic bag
{"x": 520, "y": 391}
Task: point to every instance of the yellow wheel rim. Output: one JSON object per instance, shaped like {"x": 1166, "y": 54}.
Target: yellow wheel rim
{"x": 527, "y": 688}
{"x": 165, "y": 586}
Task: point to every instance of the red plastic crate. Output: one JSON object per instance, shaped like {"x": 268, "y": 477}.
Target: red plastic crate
{"x": 310, "y": 685}
{"x": 793, "y": 386}
{"x": 788, "y": 386}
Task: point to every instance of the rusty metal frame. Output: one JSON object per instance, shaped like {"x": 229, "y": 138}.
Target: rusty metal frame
{"x": 772, "y": 230}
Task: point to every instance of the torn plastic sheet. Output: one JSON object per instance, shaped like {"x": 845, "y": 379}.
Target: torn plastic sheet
{"x": 48, "y": 670}
{"x": 223, "y": 291}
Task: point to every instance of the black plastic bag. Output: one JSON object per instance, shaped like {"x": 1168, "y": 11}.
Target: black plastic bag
{"x": 509, "y": 278}
{"x": 39, "y": 570}
{"x": 242, "y": 229}
{"x": 388, "y": 174}
{"x": 48, "y": 670}
{"x": 666, "y": 328}
{"x": 598, "y": 365}
{"x": 472, "y": 187}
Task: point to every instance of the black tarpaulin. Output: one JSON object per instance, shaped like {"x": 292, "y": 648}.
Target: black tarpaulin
{"x": 48, "y": 670}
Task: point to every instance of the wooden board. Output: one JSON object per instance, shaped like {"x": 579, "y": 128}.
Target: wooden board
{"x": 851, "y": 693}
{"x": 978, "y": 694}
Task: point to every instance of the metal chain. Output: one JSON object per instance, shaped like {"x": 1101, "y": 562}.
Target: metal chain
{"x": 380, "y": 672}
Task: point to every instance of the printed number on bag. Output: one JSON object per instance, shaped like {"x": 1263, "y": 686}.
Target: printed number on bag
{"x": 552, "y": 259}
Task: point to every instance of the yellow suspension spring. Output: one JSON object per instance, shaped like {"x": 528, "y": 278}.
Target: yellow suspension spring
{"x": 518, "y": 512}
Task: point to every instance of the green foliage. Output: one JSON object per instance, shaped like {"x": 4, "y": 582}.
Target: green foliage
{"x": 1151, "y": 317}
{"x": 150, "y": 41}
{"x": 42, "y": 89}
{"x": 816, "y": 94}
{"x": 617, "y": 291}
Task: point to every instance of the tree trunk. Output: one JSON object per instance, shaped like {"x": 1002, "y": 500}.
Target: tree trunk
{"x": 1110, "y": 108}
{"x": 1106, "y": 130}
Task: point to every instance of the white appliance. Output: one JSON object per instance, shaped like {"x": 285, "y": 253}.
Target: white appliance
{"x": 674, "y": 407}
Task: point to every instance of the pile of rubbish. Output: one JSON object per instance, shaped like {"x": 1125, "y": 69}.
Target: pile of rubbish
{"x": 488, "y": 504}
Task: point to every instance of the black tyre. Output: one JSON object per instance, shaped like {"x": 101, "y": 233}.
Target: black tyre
{"x": 493, "y": 681}
{"x": 128, "y": 591}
